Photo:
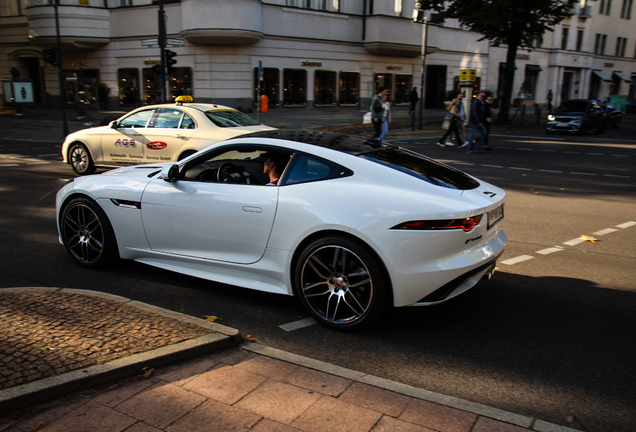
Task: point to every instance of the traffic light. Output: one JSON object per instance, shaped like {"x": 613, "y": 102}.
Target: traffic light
{"x": 170, "y": 55}
{"x": 50, "y": 56}
{"x": 156, "y": 69}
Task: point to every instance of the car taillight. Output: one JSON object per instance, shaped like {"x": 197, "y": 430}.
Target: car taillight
{"x": 465, "y": 224}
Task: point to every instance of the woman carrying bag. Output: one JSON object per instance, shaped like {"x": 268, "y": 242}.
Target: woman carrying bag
{"x": 456, "y": 122}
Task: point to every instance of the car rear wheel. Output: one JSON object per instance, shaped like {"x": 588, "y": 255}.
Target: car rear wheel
{"x": 80, "y": 159}
{"x": 87, "y": 234}
{"x": 601, "y": 128}
{"x": 185, "y": 154}
{"x": 340, "y": 283}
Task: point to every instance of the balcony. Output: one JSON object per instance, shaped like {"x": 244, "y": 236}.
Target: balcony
{"x": 585, "y": 12}
{"x": 81, "y": 27}
{"x": 236, "y": 23}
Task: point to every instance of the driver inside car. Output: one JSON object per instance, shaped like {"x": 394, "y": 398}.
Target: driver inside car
{"x": 274, "y": 166}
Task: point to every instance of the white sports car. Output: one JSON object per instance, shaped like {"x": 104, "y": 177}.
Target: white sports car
{"x": 349, "y": 226}
{"x": 154, "y": 134}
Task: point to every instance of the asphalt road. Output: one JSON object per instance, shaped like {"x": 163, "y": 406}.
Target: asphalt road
{"x": 552, "y": 335}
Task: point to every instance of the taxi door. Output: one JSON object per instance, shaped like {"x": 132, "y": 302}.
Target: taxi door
{"x": 125, "y": 144}
{"x": 167, "y": 134}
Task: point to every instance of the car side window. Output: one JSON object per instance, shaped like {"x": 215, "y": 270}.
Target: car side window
{"x": 137, "y": 120}
{"x": 309, "y": 169}
{"x": 168, "y": 118}
{"x": 187, "y": 122}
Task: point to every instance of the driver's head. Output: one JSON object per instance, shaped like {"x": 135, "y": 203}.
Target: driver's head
{"x": 275, "y": 163}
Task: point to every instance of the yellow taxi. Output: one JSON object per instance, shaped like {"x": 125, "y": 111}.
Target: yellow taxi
{"x": 154, "y": 134}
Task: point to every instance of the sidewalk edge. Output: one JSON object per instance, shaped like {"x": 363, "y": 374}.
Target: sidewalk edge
{"x": 407, "y": 390}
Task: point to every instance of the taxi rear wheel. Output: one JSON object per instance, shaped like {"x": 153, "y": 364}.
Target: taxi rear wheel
{"x": 185, "y": 154}
{"x": 80, "y": 159}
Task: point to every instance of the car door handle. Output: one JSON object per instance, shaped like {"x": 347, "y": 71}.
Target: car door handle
{"x": 179, "y": 136}
{"x": 251, "y": 209}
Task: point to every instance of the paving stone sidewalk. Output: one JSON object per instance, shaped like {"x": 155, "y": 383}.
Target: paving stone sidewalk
{"x": 80, "y": 361}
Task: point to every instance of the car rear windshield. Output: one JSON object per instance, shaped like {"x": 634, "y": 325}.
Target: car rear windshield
{"x": 421, "y": 167}
{"x": 573, "y": 106}
{"x": 230, "y": 118}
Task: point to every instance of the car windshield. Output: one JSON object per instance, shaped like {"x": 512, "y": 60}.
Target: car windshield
{"x": 230, "y": 118}
{"x": 573, "y": 106}
{"x": 421, "y": 167}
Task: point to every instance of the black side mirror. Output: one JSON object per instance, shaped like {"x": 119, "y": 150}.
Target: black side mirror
{"x": 170, "y": 173}
{"x": 113, "y": 124}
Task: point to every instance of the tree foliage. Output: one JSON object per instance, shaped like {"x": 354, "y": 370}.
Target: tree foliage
{"x": 517, "y": 24}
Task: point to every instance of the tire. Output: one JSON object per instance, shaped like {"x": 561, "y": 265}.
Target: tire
{"x": 80, "y": 159}
{"x": 87, "y": 234}
{"x": 584, "y": 129}
{"x": 617, "y": 123}
{"x": 601, "y": 128}
{"x": 185, "y": 154}
{"x": 549, "y": 132}
{"x": 340, "y": 283}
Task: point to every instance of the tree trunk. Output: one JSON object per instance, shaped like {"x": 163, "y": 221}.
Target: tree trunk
{"x": 509, "y": 79}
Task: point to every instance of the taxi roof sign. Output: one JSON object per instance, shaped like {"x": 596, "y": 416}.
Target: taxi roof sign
{"x": 184, "y": 98}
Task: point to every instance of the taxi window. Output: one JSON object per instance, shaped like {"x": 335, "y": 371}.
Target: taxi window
{"x": 138, "y": 119}
{"x": 187, "y": 122}
{"x": 168, "y": 118}
{"x": 230, "y": 118}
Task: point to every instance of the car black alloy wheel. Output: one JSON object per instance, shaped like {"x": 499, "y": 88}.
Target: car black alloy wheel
{"x": 87, "y": 234}
{"x": 80, "y": 159}
{"x": 341, "y": 283}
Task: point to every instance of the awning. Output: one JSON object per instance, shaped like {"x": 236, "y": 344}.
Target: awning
{"x": 503, "y": 66}
{"x": 602, "y": 76}
{"x": 534, "y": 68}
{"x": 622, "y": 76}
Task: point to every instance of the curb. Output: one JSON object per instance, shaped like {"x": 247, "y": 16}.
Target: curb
{"x": 523, "y": 421}
{"x": 47, "y": 388}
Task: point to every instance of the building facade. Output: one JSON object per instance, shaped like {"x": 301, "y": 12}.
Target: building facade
{"x": 315, "y": 54}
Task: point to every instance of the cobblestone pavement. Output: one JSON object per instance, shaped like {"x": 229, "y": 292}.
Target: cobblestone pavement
{"x": 46, "y": 334}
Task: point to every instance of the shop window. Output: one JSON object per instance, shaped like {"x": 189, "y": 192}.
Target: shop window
{"x": 270, "y": 85}
{"x": 403, "y": 85}
{"x": 128, "y": 80}
{"x": 325, "y": 88}
{"x": 179, "y": 83}
{"x": 294, "y": 87}
{"x": 383, "y": 80}
{"x": 349, "y": 88}
{"x": 81, "y": 87}
{"x": 529, "y": 86}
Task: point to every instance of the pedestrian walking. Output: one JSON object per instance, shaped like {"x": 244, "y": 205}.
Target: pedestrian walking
{"x": 455, "y": 122}
{"x": 549, "y": 98}
{"x": 386, "y": 115}
{"x": 413, "y": 99}
{"x": 477, "y": 120}
{"x": 376, "y": 112}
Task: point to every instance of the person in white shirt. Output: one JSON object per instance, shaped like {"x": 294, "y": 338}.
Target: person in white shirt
{"x": 386, "y": 115}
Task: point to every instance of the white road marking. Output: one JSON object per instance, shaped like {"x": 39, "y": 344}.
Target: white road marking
{"x": 5, "y": 165}
{"x": 617, "y": 176}
{"x": 492, "y": 166}
{"x": 597, "y": 154}
{"x": 462, "y": 163}
{"x": 551, "y": 171}
{"x": 525, "y": 149}
{"x": 605, "y": 231}
{"x": 549, "y": 151}
{"x": 549, "y": 250}
{"x": 522, "y": 136}
{"x": 298, "y": 324}
{"x": 573, "y": 242}
{"x": 518, "y": 259}
{"x": 572, "y": 152}
{"x": 578, "y": 173}
{"x": 522, "y": 169}
{"x": 626, "y": 224}
{"x": 621, "y": 155}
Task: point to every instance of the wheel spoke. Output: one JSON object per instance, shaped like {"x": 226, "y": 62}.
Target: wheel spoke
{"x": 314, "y": 285}
{"x": 316, "y": 260}
{"x": 362, "y": 309}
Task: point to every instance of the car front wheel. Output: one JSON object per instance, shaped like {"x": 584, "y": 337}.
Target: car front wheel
{"x": 87, "y": 234}
{"x": 340, "y": 283}
{"x": 80, "y": 159}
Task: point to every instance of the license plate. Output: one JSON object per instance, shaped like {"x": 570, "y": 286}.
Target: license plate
{"x": 561, "y": 124}
{"x": 494, "y": 216}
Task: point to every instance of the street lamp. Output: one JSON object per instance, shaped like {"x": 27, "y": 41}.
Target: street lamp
{"x": 418, "y": 17}
{"x": 60, "y": 70}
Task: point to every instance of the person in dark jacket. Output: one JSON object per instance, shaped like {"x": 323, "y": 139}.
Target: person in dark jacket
{"x": 477, "y": 120}
{"x": 376, "y": 112}
{"x": 488, "y": 119}
{"x": 413, "y": 98}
